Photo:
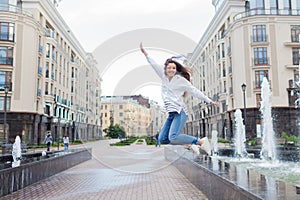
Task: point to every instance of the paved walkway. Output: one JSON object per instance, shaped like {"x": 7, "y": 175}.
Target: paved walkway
{"x": 136, "y": 172}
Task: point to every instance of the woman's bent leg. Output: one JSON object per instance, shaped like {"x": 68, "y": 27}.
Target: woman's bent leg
{"x": 176, "y": 127}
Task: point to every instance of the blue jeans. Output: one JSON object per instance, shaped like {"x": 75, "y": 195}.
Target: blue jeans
{"x": 66, "y": 146}
{"x": 170, "y": 133}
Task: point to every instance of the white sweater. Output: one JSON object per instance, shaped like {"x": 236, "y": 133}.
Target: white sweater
{"x": 172, "y": 91}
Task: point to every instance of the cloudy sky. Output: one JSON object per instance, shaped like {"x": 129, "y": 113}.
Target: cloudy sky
{"x": 96, "y": 22}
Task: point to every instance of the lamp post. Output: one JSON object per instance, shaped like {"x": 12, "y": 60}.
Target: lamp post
{"x": 6, "y": 88}
{"x": 244, "y": 90}
{"x": 58, "y": 126}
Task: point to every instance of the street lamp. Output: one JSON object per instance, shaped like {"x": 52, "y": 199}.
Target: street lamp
{"x": 58, "y": 125}
{"x": 6, "y": 88}
{"x": 244, "y": 90}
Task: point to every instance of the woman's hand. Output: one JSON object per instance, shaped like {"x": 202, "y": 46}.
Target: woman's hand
{"x": 143, "y": 50}
{"x": 213, "y": 103}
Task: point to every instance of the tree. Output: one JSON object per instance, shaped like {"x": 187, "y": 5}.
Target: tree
{"x": 115, "y": 131}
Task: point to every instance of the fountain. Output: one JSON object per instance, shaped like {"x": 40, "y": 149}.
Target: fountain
{"x": 214, "y": 142}
{"x": 268, "y": 151}
{"x": 16, "y": 152}
{"x": 240, "y": 136}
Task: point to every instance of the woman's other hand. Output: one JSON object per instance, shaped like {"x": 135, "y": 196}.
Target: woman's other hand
{"x": 143, "y": 50}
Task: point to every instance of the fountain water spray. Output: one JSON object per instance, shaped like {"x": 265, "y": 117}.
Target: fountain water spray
{"x": 214, "y": 142}
{"x": 16, "y": 152}
{"x": 268, "y": 151}
{"x": 240, "y": 136}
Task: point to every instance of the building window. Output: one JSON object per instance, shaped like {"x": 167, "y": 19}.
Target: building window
{"x": 295, "y": 33}
{"x": 47, "y": 110}
{"x": 5, "y": 78}
{"x": 46, "y": 88}
{"x": 295, "y": 55}
{"x": 47, "y": 50}
{"x": 298, "y": 6}
{"x": 7, "y": 31}
{"x": 287, "y": 7}
{"x": 274, "y": 6}
{"x": 2, "y": 103}
{"x": 120, "y": 107}
{"x": 260, "y": 56}
{"x": 259, "y": 75}
{"x": 47, "y": 70}
{"x": 257, "y": 6}
{"x": 259, "y": 33}
{"x": 6, "y": 55}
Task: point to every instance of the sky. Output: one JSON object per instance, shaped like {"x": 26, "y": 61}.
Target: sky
{"x": 113, "y": 29}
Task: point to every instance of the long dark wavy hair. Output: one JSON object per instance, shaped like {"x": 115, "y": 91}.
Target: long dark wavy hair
{"x": 181, "y": 70}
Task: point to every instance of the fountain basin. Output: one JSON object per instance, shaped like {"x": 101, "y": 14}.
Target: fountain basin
{"x": 283, "y": 153}
{"x": 221, "y": 180}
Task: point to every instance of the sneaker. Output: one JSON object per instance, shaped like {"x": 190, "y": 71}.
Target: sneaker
{"x": 195, "y": 149}
{"x": 206, "y": 145}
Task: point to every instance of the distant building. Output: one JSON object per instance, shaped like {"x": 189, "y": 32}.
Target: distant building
{"x": 136, "y": 114}
{"x": 53, "y": 84}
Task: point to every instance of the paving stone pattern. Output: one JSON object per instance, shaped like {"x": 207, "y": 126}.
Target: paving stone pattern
{"x": 136, "y": 172}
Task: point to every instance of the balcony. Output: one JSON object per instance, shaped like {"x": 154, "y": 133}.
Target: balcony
{"x": 261, "y": 61}
{"x": 6, "y": 61}
{"x": 259, "y": 40}
{"x": 260, "y": 11}
{"x": 7, "y": 84}
{"x": 15, "y": 9}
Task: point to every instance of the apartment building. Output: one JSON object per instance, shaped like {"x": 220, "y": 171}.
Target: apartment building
{"x": 48, "y": 80}
{"x": 245, "y": 42}
{"x": 136, "y": 114}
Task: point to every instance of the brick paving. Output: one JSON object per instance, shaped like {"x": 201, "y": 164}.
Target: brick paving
{"x": 136, "y": 172}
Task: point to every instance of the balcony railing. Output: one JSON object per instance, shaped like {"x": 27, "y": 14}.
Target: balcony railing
{"x": 260, "y": 61}
{"x": 260, "y": 11}
{"x": 15, "y": 9}
{"x": 6, "y": 61}
{"x": 6, "y": 84}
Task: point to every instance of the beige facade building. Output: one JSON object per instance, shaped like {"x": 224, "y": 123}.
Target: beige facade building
{"x": 245, "y": 42}
{"x": 53, "y": 84}
{"x": 136, "y": 114}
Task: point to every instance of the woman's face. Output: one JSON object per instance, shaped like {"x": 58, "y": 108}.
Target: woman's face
{"x": 170, "y": 70}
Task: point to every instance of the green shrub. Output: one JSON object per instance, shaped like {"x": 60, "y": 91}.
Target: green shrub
{"x": 77, "y": 142}
{"x": 222, "y": 140}
{"x": 150, "y": 141}
{"x": 125, "y": 142}
{"x": 252, "y": 142}
{"x": 291, "y": 138}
